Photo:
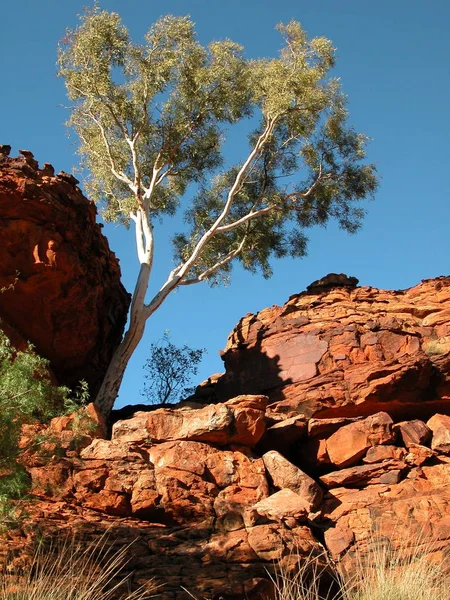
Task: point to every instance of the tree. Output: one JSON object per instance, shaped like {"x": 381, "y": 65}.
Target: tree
{"x": 169, "y": 369}
{"x": 151, "y": 119}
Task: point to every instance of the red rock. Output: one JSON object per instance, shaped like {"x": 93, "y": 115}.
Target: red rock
{"x": 55, "y": 480}
{"x": 440, "y": 426}
{"x": 111, "y": 450}
{"x": 208, "y": 515}
{"x": 345, "y": 352}
{"x": 312, "y": 454}
{"x": 234, "y": 468}
{"x": 418, "y": 455}
{"x": 284, "y": 435}
{"x": 326, "y": 427}
{"x": 67, "y": 298}
{"x": 231, "y": 504}
{"x": 238, "y": 421}
{"x": 133, "y": 429}
{"x": 379, "y": 453}
{"x": 338, "y": 540}
{"x": 286, "y": 475}
{"x": 185, "y": 496}
{"x": 350, "y": 443}
{"x": 108, "y": 502}
{"x": 386, "y": 472}
{"x": 185, "y": 456}
{"x": 413, "y": 432}
{"x": 283, "y": 505}
{"x": 90, "y": 480}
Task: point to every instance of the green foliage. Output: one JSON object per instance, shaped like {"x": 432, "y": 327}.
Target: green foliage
{"x": 152, "y": 119}
{"x": 169, "y": 370}
{"x": 26, "y": 395}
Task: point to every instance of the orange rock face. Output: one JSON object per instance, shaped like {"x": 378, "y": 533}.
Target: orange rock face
{"x": 213, "y": 496}
{"x": 65, "y": 293}
{"x": 346, "y": 351}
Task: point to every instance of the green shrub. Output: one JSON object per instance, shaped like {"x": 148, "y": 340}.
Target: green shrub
{"x": 26, "y": 395}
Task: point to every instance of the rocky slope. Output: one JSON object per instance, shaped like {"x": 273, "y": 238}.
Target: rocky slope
{"x": 213, "y": 495}
{"x": 63, "y": 290}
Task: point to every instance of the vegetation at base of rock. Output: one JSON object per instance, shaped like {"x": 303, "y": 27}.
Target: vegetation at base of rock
{"x": 385, "y": 573}
{"x": 169, "y": 370}
{"x": 67, "y": 570}
{"x": 152, "y": 119}
{"x": 27, "y": 395}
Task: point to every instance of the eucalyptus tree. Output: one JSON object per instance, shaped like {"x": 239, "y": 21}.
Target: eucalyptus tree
{"x": 152, "y": 119}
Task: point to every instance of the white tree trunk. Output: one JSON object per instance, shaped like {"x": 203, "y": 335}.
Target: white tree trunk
{"x": 111, "y": 383}
{"x": 109, "y": 389}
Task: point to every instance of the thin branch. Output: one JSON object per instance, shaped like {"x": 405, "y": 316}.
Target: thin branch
{"x": 248, "y": 217}
{"x": 118, "y": 174}
{"x": 220, "y": 263}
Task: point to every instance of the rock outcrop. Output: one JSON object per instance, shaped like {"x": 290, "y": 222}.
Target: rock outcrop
{"x": 62, "y": 283}
{"x": 211, "y": 497}
{"x": 345, "y": 351}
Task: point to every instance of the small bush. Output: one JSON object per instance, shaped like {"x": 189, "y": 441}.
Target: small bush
{"x": 169, "y": 370}
{"x": 26, "y": 395}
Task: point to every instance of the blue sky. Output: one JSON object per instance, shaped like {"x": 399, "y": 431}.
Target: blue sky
{"x": 393, "y": 59}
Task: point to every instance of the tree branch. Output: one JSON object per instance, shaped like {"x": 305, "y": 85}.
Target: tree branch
{"x": 220, "y": 263}
{"x": 248, "y": 217}
{"x": 118, "y": 174}
{"x": 184, "y": 269}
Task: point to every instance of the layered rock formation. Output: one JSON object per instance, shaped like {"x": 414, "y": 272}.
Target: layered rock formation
{"x": 213, "y": 496}
{"x": 345, "y": 351}
{"x": 63, "y": 291}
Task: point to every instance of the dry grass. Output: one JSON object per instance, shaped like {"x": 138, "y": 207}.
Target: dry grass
{"x": 315, "y": 578}
{"x": 382, "y": 574}
{"x": 397, "y": 574}
{"x": 74, "y": 572}
{"x": 71, "y": 571}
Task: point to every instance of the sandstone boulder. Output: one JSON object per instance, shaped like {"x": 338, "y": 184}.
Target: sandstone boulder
{"x": 345, "y": 351}
{"x": 385, "y": 472}
{"x": 350, "y": 443}
{"x": 64, "y": 293}
{"x": 285, "y": 475}
{"x": 413, "y": 432}
{"x": 239, "y": 421}
{"x": 440, "y": 426}
{"x": 284, "y": 436}
{"x": 284, "y": 505}
{"x": 377, "y": 454}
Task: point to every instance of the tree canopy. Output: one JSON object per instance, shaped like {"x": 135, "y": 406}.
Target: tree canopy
{"x": 152, "y": 119}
